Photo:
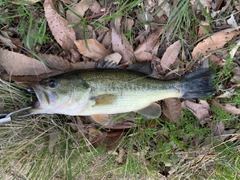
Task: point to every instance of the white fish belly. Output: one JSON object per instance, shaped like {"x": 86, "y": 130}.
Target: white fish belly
{"x": 130, "y": 101}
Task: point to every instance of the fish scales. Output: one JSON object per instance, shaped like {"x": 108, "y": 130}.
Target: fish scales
{"x": 110, "y": 91}
{"x": 112, "y": 80}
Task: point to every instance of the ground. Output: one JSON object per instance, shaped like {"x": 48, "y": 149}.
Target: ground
{"x": 192, "y": 139}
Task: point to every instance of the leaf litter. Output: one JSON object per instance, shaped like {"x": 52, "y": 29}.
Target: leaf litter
{"x": 111, "y": 44}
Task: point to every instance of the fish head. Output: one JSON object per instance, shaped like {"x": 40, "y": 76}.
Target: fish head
{"x": 62, "y": 94}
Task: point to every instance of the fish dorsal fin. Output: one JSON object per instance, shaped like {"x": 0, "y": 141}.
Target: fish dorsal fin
{"x": 151, "y": 111}
{"x": 143, "y": 67}
{"x": 107, "y": 65}
{"x": 103, "y": 99}
{"x": 102, "y": 119}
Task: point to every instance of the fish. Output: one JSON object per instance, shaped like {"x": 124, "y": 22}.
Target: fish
{"x": 100, "y": 92}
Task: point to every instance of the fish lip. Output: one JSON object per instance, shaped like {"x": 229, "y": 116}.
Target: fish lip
{"x": 37, "y": 89}
{"x": 44, "y": 97}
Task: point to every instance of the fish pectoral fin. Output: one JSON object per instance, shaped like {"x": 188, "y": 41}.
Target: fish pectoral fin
{"x": 102, "y": 119}
{"x": 151, "y": 111}
{"x": 104, "y": 99}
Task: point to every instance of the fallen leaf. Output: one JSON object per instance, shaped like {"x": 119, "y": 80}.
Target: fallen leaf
{"x": 96, "y": 50}
{"x": 96, "y": 137}
{"x": 234, "y": 50}
{"x": 80, "y": 9}
{"x": 32, "y": 1}
{"x": 232, "y": 109}
{"x": 226, "y": 5}
{"x": 144, "y": 56}
{"x": 150, "y": 42}
{"x": 165, "y": 8}
{"x": 127, "y": 25}
{"x": 121, "y": 153}
{"x": 228, "y": 108}
{"x": 113, "y": 138}
{"x": 5, "y": 39}
{"x": 121, "y": 45}
{"x": 213, "y": 43}
{"x": 64, "y": 35}
{"x": 107, "y": 40}
{"x": 19, "y": 64}
{"x": 216, "y": 60}
{"x": 236, "y": 75}
{"x": 170, "y": 56}
{"x": 172, "y": 109}
{"x": 84, "y": 65}
{"x": 200, "y": 110}
{"x": 95, "y": 6}
{"x": 120, "y": 125}
{"x": 216, "y": 4}
{"x": 68, "y": 1}
{"x": 232, "y": 22}
{"x": 56, "y": 62}
{"x": 218, "y": 129}
{"x": 77, "y": 126}
{"x": 115, "y": 58}
{"x": 203, "y": 29}
{"x": 227, "y": 94}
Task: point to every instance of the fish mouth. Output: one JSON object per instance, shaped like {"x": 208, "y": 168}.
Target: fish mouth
{"x": 45, "y": 97}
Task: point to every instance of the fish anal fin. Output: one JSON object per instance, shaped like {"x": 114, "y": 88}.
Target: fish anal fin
{"x": 151, "y": 111}
{"x": 102, "y": 119}
{"x": 104, "y": 99}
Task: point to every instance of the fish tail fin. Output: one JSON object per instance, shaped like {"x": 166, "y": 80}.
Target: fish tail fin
{"x": 198, "y": 84}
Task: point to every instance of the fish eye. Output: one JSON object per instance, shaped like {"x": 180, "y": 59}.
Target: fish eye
{"x": 52, "y": 83}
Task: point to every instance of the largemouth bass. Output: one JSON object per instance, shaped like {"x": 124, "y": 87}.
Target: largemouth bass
{"x": 99, "y": 92}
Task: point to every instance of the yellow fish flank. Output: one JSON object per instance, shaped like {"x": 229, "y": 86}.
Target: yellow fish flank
{"x": 98, "y": 92}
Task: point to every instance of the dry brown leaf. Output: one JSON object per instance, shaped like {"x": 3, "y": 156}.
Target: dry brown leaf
{"x": 144, "y": 56}
{"x": 217, "y": 4}
{"x": 204, "y": 28}
{"x": 216, "y": 60}
{"x": 228, "y": 108}
{"x": 107, "y": 40}
{"x": 218, "y": 129}
{"x": 78, "y": 126}
{"x": 83, "y": 65}
{"x": 200, "y": 110}
{"x": 56, "y": 62}
{"x": 32, "y": 1}
{"x": 96, "y": 50}
{"x": 236, "y": 75}
{"x": 96, "y": 137}
{"x": 80, "y": 9}
{"x": 120, "y": 125}
{"x": 115, "y": 58}
{"x": 170, "y": 56}
{"x": 95, "y": 6}
{"x": 232, "y": 109}
{"x": 64, "y": 35}
{"x": 5, "y": 39}
{"x": 150, "y": 42}
{"x": 216, "y": 41}
{"x": 127, "y": 25}
{"x": 121, "y": 153}
{"x": 121, "y": 45}
{"x": 19, "y": 64}
{"x": 172, "y": 109}
{"x": 68, "y": 1}
{"x": 112, "y": 139}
